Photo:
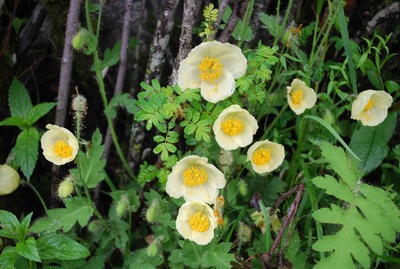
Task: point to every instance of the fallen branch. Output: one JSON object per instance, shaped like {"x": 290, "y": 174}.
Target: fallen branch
{"x": 238, "y": 12}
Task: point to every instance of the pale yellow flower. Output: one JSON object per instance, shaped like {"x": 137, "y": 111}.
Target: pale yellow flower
{"x": 371, "y": 107}
{"x": 234, "y": 128}
{"x": 265, "y": 156}
{"x": 300, "y": 97}
{"x": 9, "y": 179}
{"x": 212, "y": 67}
{"x": 59, "y": 145}
{"x": 195, "y": 179}
{"x": 196, "y": 222}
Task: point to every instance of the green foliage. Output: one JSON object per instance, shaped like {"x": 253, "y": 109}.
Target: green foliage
{"x": 367, "y": 219}
{"x": 77, "y": 210}
{"x": 371, "y": 143}
{"x": 121, "y": 100}
{"x": 260, "y": 62}
{"x": 210, "y": 15}
{"x": 60, "y": 247}
{"x": 210, "y": 256}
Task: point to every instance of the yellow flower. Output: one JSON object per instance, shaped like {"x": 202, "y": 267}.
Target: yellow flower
{"x": 371, "y": 107}
{"x": 59, "y": 145}
{"x": 212, "y": 67}
{"x": 300, "y": 97}
{"x": 9, "y": 179}
{"x": 196, "y": 222}
{"x": 195, "y": 179}
{"x": 234, "y": 128}
{"x": 265, "y": 156}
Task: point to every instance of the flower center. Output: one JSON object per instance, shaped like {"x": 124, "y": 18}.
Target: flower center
{"x": 232, "y": 127}
{"x": 62, "y": 149}
{"x": 261, "y": 156}
{"x": 297, "y": 95}
{"x": 194, "y": 176}
{"x": 199, "y": 222}
{"x": 368, "y": 105}
{"x": 210, "y": 69}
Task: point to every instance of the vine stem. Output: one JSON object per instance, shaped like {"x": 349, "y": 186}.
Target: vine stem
{"x": 102, "y": 90}
{"x": 36, "y": 192}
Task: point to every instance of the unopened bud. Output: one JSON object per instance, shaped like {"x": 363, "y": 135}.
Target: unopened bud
{"x": 9, "y": 179}
{"x": 122, "y": 206}
{"x": 329, "y": 117}
{"x": 152, "y": 212}
{"x": 79, "y": 104}
{"x": 80, "y": 39}
{"x": 225, "y": 160}
{"x": 94, "y": 226}
{"x": 244, "y": 233}
{"x": 152, "y": 249}
{"x": 242, "y": 187}
{"x": 66, "y": 187}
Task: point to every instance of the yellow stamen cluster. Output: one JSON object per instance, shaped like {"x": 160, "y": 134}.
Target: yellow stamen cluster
{"x": 194, "y": 176}
{"x": 210, "y": 69}
{"x": 62, "y": 149}
{"x": 297, "y": 95}
{"x": 199, "y": 222}
{"x": 368, "y": 105}
{"x": 232, "y": 127}
{"x": 261, "y": 156}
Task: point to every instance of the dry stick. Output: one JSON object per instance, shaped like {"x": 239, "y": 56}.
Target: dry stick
{"x": 121, "y": 68}
{"x": 161, "y": 40}
{"x": 238, "y": 12}
{"x": 185, "y": 38}
{"x": 266, "y": 257}
{"x": 66, "y": 63}
{"x": 393, "y": 8}
{"x": 221, "y": 10}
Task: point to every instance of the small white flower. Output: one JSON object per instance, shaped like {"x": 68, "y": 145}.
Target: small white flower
{"x": 212, "y": 67}
{"x": 196, "y": 222}
{"x": 300, "y": 97}
{"x": 371, "y": 107}
{"x": 195, "y": 179}
{"x": 59, "y": 145}
{"x": 9, "y": 179}
{"x": 234, "y": 128}
{"x": 265, "y": 156}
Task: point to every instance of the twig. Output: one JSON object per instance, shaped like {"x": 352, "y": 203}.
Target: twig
{"x": 221, "y": 10}
{"x": 238, "y": 12}
{"x": 66, "y": 63}
{"x": 161, "y": 40}
{"x": 299, "y": 189}
{"x": 185, "y": 38}
{"x": 393, "y": 8}
{"x": 121, "y": 67}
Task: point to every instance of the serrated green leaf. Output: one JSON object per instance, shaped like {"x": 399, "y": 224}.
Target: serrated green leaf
{"x": 27, "y": 150}
{"x": 335, "y": 188}
{"x": 91, "y": 165}
{"x": 13, "y": 121}
{"x": 23, "y": 227}
{"x": 8, "y": 258}
{"x": 28, "y": 249}
{"x": 39, "y": 111}
{"x": 370, "y": 143}
{"x": 188, "y": 254}
{"x": 19, "y": 100}
{"x": 9, "y": 224}
{"x": 78, "y": 210}
{"x": 60, "y": 247}
{"x": 219, "y": 256}
{"x": 111, "y": 56}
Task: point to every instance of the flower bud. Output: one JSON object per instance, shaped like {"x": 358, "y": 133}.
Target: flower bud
{"x": 152, "y": 212}
{"x": 242, "y": 187}
{"x": 9, "y": 179}
{"x": 66, "y": 187}
{"x": 244, "y": 233}
{"x": 79, "y": 104}
{"x": 122, "y": 206}
{"x": 94, "y": 226}
{"x": 79, "y": 40}
{"x": 329, "y": 117}
{"x": 152, "y": 249}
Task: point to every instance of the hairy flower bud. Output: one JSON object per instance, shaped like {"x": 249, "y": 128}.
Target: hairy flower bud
{"x": 152, "y": 212}
{"x": 79, "y": 40}
{"x": 9, "y": 179}
{"x": 152, "y": 249}
{"x": 122, "y": 206}
{"x": 242, "y": 187}
{"x": 244, "y": 233}
{"x": 66, "y": 187}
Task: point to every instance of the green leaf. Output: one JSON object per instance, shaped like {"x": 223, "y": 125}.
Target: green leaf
{"x": 91, "y": 165}
{"x": 334, "y": 187}
{"x": 28, "y": 249}
{"x": 370, "y": 143}
{"x": 9, "y": 224}
{"x": 27, "y": 150}
{"x": 13, "y": 121}
{"x": 19, "y": 100}
{"x": 39, "y": 111}
{"x": 188, "y": 254}
{"x": 23, "y": 227}
{"x": 78, "y": 210}
{"x": 60, "y": 247}
{"x": 219, "y": 256}
{"x": 8, "y": 258}
{"x": 111, "y": 56}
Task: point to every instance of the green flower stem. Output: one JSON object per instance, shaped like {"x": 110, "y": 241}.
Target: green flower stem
{"x": 268, "y": 237}
{"x": 241, "y": 214}
{"x": 96, "y": 212}
{"x": 290, "y": 178}
{"x": 36, "y": 192}
{"x": 102, "y": 90}
{"x": 276, "y": 119}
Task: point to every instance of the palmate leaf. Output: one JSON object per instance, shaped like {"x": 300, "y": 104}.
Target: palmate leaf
{"x": 366, "y": 220}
